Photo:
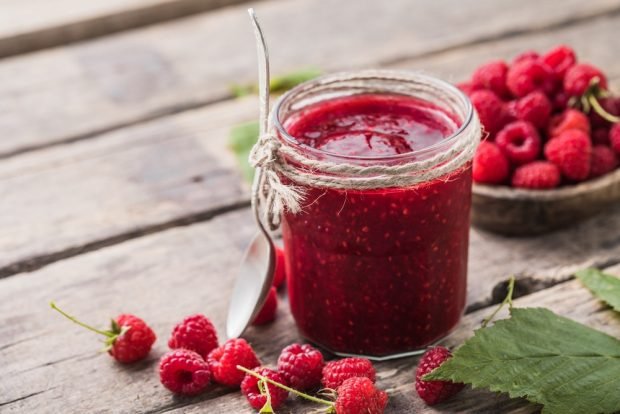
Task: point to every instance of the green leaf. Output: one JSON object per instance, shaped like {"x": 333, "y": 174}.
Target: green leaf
{"x": 243, "y": 136}
{"x": 278, "y": 84}
{"x": 548, "y": 359}
{"x": 115, "y": 328}
{"x": 606, "y": 287}
{"x": 290, "y": 80}
{"x": 242, "y": 139}
{"x": 267, "y": 409}
{"x": 264, "y": 390}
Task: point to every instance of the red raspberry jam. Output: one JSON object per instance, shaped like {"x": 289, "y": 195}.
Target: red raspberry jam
{"x": 377, "y": 272}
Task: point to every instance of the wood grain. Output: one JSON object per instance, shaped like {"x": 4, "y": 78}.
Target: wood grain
{"x": 29, "y": 25}
{"x": 71, "y": 199}
{"x": 53, "y": 96}
{"x": 163, "y": 277}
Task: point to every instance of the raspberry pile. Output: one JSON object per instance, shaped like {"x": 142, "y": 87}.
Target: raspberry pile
{"x": 350, "y": 382}
{"x": 549, "y": 120}
{"x": 197, "y": 358}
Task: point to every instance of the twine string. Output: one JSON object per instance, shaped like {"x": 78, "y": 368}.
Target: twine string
{"x": 277, "y": 160}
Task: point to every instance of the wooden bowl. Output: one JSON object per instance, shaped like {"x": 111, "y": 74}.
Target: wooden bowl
{"x": 519, "y": 212}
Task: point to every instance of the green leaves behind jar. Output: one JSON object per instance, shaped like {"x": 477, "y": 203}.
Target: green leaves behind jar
{"x": 243, "y": 136}
{"x": 241, "y": 141}
{"x": 277, "y": 84}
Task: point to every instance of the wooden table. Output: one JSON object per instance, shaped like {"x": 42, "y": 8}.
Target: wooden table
{"x": 118, "y": 192}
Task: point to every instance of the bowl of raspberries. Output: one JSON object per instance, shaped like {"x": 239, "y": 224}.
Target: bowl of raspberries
{"x": 551, "y": 145}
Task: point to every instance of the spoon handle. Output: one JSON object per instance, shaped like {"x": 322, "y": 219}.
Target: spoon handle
{"x": 263, "y": 72}
{"x": 263, "y": 96}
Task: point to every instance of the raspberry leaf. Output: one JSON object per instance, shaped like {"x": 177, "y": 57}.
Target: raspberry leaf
{"x": 242, "y": 139}
{"x": 278, "y": 84}
{"x": 545, "y": 358}
{"x": 244, "y": 136}
{"x": 606, "y": 287}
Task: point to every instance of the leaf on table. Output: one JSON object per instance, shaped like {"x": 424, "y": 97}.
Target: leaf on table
{"x": 242, "y": 139}
{"x": 278, "y": 84}
{"x": 545, "y": 358}
{"x": 606, "y": 287}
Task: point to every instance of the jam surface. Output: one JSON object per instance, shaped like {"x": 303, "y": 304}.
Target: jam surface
{"x": 370, "y": 126}
{"x": 377, "y": 272}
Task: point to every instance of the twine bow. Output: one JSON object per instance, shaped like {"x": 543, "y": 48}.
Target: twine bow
{"x": 273, "y": 195}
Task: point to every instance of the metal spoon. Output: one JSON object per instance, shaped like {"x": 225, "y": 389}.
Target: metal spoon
{"x": 258, "y": 265}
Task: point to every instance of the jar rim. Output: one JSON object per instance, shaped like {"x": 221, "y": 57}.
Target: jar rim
{"x": 403, "y": 75}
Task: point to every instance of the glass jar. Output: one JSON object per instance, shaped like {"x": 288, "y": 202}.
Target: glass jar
{"x": 379, "y": 272}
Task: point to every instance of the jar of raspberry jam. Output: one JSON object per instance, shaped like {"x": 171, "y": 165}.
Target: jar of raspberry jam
{"x": 377, "y": 263}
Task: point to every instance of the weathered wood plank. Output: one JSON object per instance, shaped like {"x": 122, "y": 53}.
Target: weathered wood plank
{"x": 70, "y": 199}
{"x": 187, "y": 269}
{"x": 28, "y": 25}
{"x": 163, "y": 277}
{"x": 135, "y": 76}
{"x": 59, "y": 201}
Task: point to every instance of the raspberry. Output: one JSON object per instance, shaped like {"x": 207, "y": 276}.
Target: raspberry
{"x": 578, "y": 79}
{"x": 560, "y": 101}
{"x": 491, "y": 110}
{"x": 536, "y": 175}
{"x": 184, "y": 372}
{"x": 614, "y": 138}
{"x": 359, "y": 396}
{"x": 567, "y": 120}
{"x": 135, "y": 343}
{"x": 129, "y": 339}
{"x": 336, "y": 372}
{"x": 492, "y": 76}
{"x": 519, "y": 141}
{"x": 603, "y": 160}
{"x": 280, "y": 270}
{"x": 611, "y": 105}
{"x": 195, "y": 333}
{"x": 570, "y": 151}
{"x": 560, "y": 59}
{"x": 466, "y": 87}
{"x": 223, "y": 361}
{"x": 600, "y": 136}
{"x": 528, "y": 76}
{"x": 249, "y": 388}
{"x": 433, "y": 392}
{"x": 527, "y": 55}
{"x": 302, "y": 366}
{"x": 490, "y": 164}
{"x": 268, "y": 311}
{"x": 534, "y": 107}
